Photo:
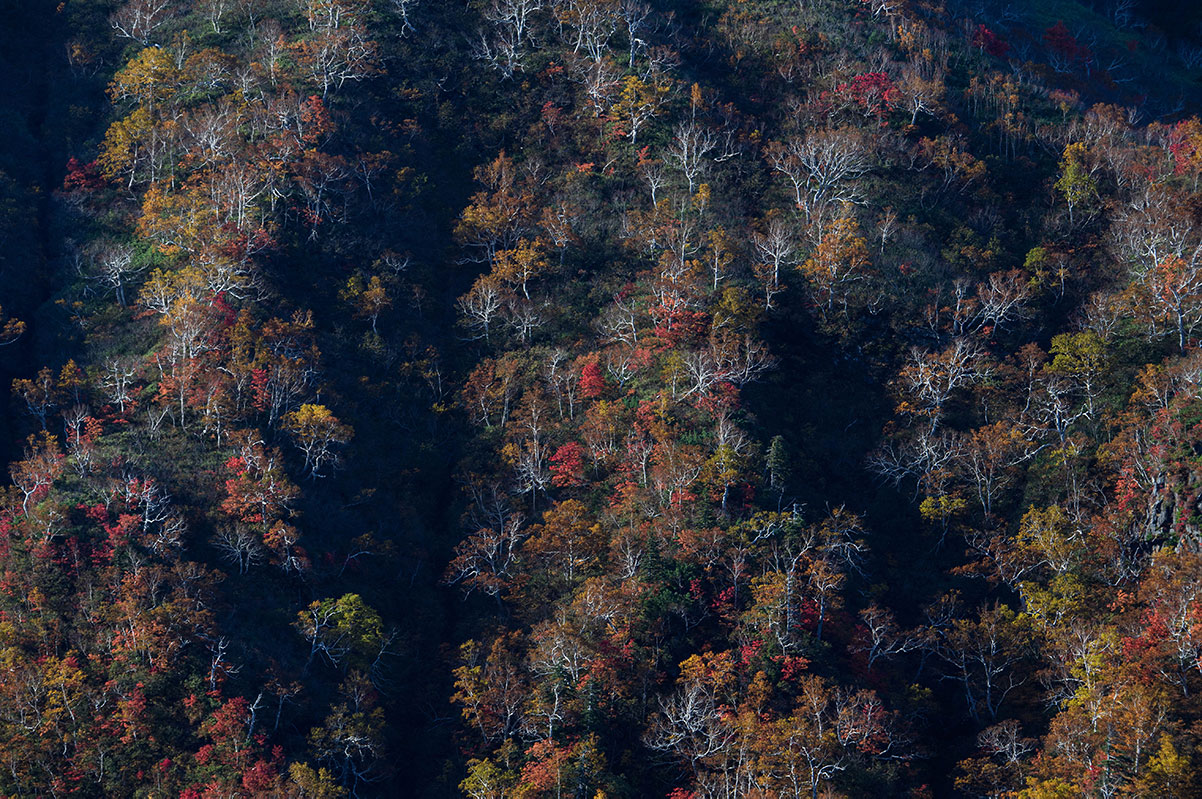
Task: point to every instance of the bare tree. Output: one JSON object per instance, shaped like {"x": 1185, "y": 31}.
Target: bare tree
{"x": 690, "y": 145}
{"x": 1003, "y": 298}
{"x": 403, "y": 8}
{"x": 821, "y": 166}
{"x": 880, "y": 636}
{"x": 139, "y": 19}
{"x": 510, "y": 22}
{"x": 931, "y": 378}
{"x": 481, "y": 305}
{"x": 215, "y": 10}
{"x": 635, "y": 15}
{"x": 777, "y": 249}
{"x": 241, "y": 546}
{"x": 115, "y": 267}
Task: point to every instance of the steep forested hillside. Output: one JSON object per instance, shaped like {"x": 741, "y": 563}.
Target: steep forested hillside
{"x": 600, "y": 398}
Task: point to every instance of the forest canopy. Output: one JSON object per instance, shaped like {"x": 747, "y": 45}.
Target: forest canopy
{"x": 512, "y": 399}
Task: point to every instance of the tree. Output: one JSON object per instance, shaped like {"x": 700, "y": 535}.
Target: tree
{"x": 637, "y": 104}
{"x": 726, "y": 358}
{"x": 802, "y": 752}
{"x": 949, "y": 157}
{"x": 316, "y": 432}
{"x": 777, "y": 250}
{"x": 1076, "y": 182}
{"x": 695, "y": 722}
{"x": 821, "y": 166}
{"x": 240, "y": 545}
{"x": 1062, "y": 46}
{"x": 34, "y": 475}
{"x": 1082, "y": 356}
{"x": 567, "y": 466}
{"x": 259, "y": 491}
{"x": 72, "y": 384}
{"x": 322, "y": 179}
{"x": 719, "y": 255}
{"x": 351, "y": 738}
{"x": 485, "y": 560}
{"x": 1174, "y": 296}
{"x": 989, "y": 42}
{"x": 345, "y": 630}
{"x": 985, "y": 656}
{"x": 138, "y": 144}
{"x": 314, "y": 784}
{"x": 989, "y": 456}
{"x": 138, "y": 19}
{"x": 840, "y": 260}
{"x": 689, "y": 147}
{"x": 40, "y": 394}
{"x": 491, "y": 687}
{"x": 481, "y": 305}
{"x": 568, "y": 541}
{"x": 874, "y": 93}
{"x": 486, "y": 780}
{"x": 922, "y": 88}
{"x": 520, "y": 264}
{"x": 367, "y": 300}
{"x": 285, "y": 365}
{"x": 1171, "y": 640}
{"x": 501, "y": 214}
{"x": 511, "y": 21}
{"x": 998, "y": 768}
{"x": 780, "y": 468}
{"x": 338, "y": 49}
{"x": 116, "y": 266}
{"x": 592, "y": 379}
{"x": 11, "y": 328}
{"x": 879, "y": 636}
{"x": 1170, "y": 773}
{"x": 1184, "y": 141}
{"x": 1003, "y": 299}
{"x": 930, "y": 380}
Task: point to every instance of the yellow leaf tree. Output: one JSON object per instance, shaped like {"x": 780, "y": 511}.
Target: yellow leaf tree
{"x": 316, "y": 432}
